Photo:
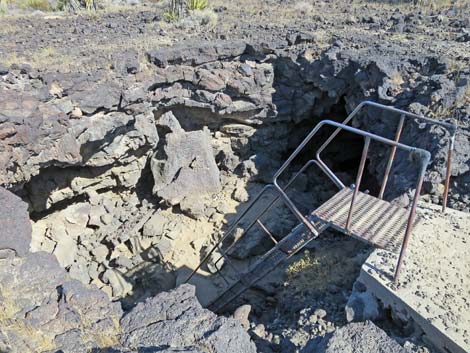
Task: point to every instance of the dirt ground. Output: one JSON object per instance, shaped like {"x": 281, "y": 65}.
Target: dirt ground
{"x": 435, "y": 281}
{"x": 85, "y": 41}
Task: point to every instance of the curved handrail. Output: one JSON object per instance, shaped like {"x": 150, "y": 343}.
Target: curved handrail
{"x": 451, "y": 127}
{"x": 424, "y": 156}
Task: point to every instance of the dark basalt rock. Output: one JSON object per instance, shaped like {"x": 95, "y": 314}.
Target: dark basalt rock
{"x": 15, "y": 229}
{"x": 51, "y": 311}
{"x": 355, "y": 337}
{"x": 176, "y": 319}
{"x": 196, "y": 53}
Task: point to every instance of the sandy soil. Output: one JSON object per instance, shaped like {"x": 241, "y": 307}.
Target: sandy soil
{"x": 435, "y": 280}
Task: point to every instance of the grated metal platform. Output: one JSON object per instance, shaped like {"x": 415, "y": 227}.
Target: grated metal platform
{"x": 374, "y": 221}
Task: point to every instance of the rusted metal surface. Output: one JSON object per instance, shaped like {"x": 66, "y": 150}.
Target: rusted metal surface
{"x": 287, "y": 247}
{"x": 374, "y": 221}
{"x": 451, "y": 127}
{"x": 448, "y": 174}
{"x": 263, "y": 211}
{"x": 391, "y": 158}
{"x": 360, "y": 172}
{"x": 411, "y": 220}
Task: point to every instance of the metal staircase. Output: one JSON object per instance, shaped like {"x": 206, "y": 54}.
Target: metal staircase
{"x": 350, "y": 211}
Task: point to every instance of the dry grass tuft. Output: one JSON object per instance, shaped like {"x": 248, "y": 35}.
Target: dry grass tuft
{"x": 305, "y": 8}
{"x": 41, "y": 5}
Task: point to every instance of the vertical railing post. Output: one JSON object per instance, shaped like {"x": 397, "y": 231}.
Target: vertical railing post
{"x": 358, "y": 181}
{"x": 392, "y": 156}
{"x": 448, "y": 173}
{"x": 411, "y": 218}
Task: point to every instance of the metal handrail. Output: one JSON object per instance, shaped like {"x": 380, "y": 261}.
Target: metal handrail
{"x": 423, "y": 155}
{"x": 451, "y": 127}
{"x": 266, "y": 209}
{"x": 256, "y": 219}
{"x": 340, "y": 126}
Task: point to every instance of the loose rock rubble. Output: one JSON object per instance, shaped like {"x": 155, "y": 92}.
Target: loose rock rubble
{"x": 356, "y": 337}
{"x": 44, "y": 310}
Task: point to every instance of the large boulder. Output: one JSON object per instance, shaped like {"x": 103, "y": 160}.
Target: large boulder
{"x": 355, "y": 338}
{"x": 361, "y": 305}
{"x": 184, "y": 164}
{"x": 15, "y": 232}
{"x": 176, "y": 320}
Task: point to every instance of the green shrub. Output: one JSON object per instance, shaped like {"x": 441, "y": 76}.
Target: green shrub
{"x": 170, "y": 16}
{"x": 197, "y": 4}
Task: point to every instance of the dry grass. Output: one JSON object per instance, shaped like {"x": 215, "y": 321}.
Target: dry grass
{"x": 305, "y": 8}
{"x": 41, "y": 5}
{"x": 49, "y": 57}
{"x": 313, "y": 270}
{"x": 332, "y": 264}
{"x": 396, "y": 79}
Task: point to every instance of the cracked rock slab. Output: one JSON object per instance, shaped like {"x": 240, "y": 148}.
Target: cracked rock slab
{"x": 15, "y": 233}
{"x": 184, "y": 166}
{"x": 176, "y": 320}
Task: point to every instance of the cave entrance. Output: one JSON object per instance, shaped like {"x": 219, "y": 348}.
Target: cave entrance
{"x": 351, "y": 210}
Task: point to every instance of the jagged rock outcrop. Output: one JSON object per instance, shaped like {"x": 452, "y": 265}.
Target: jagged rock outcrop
{"x": 43, "y": 310}
{"x": 195, "y": 53}
{"x": 68, "y": 121}
{"x": 176, "y": 320}
{"x": 96, "y": 138}
{"x": 361, "y": 305}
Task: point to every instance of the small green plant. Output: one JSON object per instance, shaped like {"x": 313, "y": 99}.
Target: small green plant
{"x": 170, "y": 16}
{"x": 197, "y": 5}
{"x": 89, "y": 4}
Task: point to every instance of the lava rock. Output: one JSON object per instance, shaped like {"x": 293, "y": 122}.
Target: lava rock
{"x": 184, "y": 166}
{"x": 176, "y": 319}
{"x": 355, "y": 337}
{"x": 361, "y": 305}
{"x": 196, "y": 53}
{"x": 51, "y": 311}
{"x": 15, "y": 233}
{"x": 241, "y": 314}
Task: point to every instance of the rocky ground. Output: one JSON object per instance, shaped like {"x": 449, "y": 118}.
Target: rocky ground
{"x": 134, "y": 141}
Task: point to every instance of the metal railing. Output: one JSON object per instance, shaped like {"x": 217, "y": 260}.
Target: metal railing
{"x": 451, "y": 127}
{"x": 423, "y": 156}
{"x": 256, "y": 220}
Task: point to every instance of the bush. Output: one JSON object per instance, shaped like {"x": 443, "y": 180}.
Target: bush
{"x": 197, "y": 5}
